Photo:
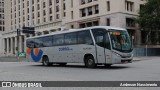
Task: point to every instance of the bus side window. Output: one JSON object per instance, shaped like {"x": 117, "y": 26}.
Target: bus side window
{"x": 38, "y": 42}
{"x": 84, "y": 37}
{"x": 30, "y": 43}
{"x": 101, "y": 38}
{"x": 70, "y": 39}
{"x": 48, "y": 41}
{"x": 58, "y": 40}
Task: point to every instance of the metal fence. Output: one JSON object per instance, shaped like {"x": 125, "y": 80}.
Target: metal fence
{"x": 146, "y": 52}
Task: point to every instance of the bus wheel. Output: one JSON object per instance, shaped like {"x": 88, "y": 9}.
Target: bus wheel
{"x": 46, "y": 61}
{"x": 89, "y": 62}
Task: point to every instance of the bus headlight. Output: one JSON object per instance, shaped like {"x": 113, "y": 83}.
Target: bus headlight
{"x": 118, "y": 55}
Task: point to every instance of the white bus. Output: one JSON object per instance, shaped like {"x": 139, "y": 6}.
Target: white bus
{"x": 99, "y": 45}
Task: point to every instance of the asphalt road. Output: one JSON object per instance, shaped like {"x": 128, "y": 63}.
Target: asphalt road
{"x": 143, "y": 70}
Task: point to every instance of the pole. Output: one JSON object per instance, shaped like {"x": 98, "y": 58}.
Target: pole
{"x": 146, "y": 50}
{"x": 17, "y": 48}
{"x": 147, "y": 43}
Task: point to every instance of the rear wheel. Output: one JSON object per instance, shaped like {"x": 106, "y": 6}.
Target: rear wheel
{"x": 46, "y": 61}
{"x": 90, "y": 62}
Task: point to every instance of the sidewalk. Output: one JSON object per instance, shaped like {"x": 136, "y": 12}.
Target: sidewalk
{"x": 12, "y": 59}
{"x": 145, "y": 58}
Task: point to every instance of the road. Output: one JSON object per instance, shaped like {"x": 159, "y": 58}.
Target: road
{"x": 143, "y": 70}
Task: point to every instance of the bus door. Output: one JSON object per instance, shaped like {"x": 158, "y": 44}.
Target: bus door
{"x": 103, "y": 49}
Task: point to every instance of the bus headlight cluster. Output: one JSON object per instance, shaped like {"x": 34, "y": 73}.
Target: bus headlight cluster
{"x": 118, "y": 55}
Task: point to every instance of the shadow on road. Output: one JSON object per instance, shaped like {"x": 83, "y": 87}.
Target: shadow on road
{"x": 82, "y": 66}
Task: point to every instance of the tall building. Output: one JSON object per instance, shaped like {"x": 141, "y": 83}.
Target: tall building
{"x": 118, "y": 13}
{"x": 50, "y": 15}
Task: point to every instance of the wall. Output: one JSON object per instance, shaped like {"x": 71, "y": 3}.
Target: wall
{"x": 150, "y": 52}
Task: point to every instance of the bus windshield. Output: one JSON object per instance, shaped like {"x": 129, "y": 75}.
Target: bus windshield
{"x": 120, "y": 40}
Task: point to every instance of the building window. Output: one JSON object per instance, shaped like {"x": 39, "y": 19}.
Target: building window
{"x": 72, "y": 26}
{"x": 64, "y": 14}
{"x": 83, "y": 2}
{"x": 27, "y": 3}
{"x": 50, "y": 10}
{"x": 44, "y": 19}
{"x": 18, "y": 7}
{"x": 23, "y": 5}
{"x": 38, "y": 6}
{"x": 89, "y": 1}
{"x": 50, "y": 2}
{"x": 96, "y": 9}
{"x": 82, "y": 25}
{"x": 28, "y": 17}
{"x": 57, "y": 16}
{"x": 23, "y": 19}
{"x": 19, "y": 14}
{"x": 141, "y": 6}
{"x": 44, "y": 4}
{"x": 23, "y": 12}
{"x": 64, "y": 6}
{"x": 89, "y": 24}
{"x": 71, "y": 3}
{"x": 57, "y": 1}
{"x": 32, "y": 1}
{"x": 72, "y": 15}
{"x": 83, "y": 12}
{"x": 108, "y": 22}
{"x": 57, "y": 8}
{"x": 89, "y": 10}
{"x": 28, "y": 10}
{"x": 38, "y": 21}
{"x": 108, "y": 6}
{"x": 33, "y": 8}
{"x": 51, "y": 18}
{"x": 130, "y": 22}
{"x": 129, "y": 5}
{"x": 38, "y": 14}
{"x": 32, "y": 15}
{"x": 44, "y": 12}
{"x": 96, "y": 23}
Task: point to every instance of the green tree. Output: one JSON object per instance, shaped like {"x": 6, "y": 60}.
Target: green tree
{"x": 149, "y": 19}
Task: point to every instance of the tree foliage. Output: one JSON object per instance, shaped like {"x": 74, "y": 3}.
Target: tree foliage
{"x": 149, "y": 18}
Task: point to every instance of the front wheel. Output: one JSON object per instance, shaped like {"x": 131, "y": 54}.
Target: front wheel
{"x": 46, "y": 62}
{"x": 90, "y": 62}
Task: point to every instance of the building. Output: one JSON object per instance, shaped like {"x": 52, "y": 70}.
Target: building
{"x": 2, "y": 23}
{"x": 50, "y": 15}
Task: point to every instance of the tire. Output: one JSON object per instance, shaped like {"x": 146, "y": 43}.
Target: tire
{"x": 62, "y": 64}
{"x": 46, "y": 61}
{"x": 90, "y": 62}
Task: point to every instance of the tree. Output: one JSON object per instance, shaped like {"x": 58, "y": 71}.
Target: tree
{"x": 149, "y": 19}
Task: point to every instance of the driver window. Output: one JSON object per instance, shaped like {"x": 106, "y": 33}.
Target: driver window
{"x": 101, "y": 38}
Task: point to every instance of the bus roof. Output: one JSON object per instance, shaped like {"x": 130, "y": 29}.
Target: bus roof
{"x": 73, "y": 30}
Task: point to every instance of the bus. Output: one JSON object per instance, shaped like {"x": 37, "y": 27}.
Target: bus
{"x": 98, "y": 45}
